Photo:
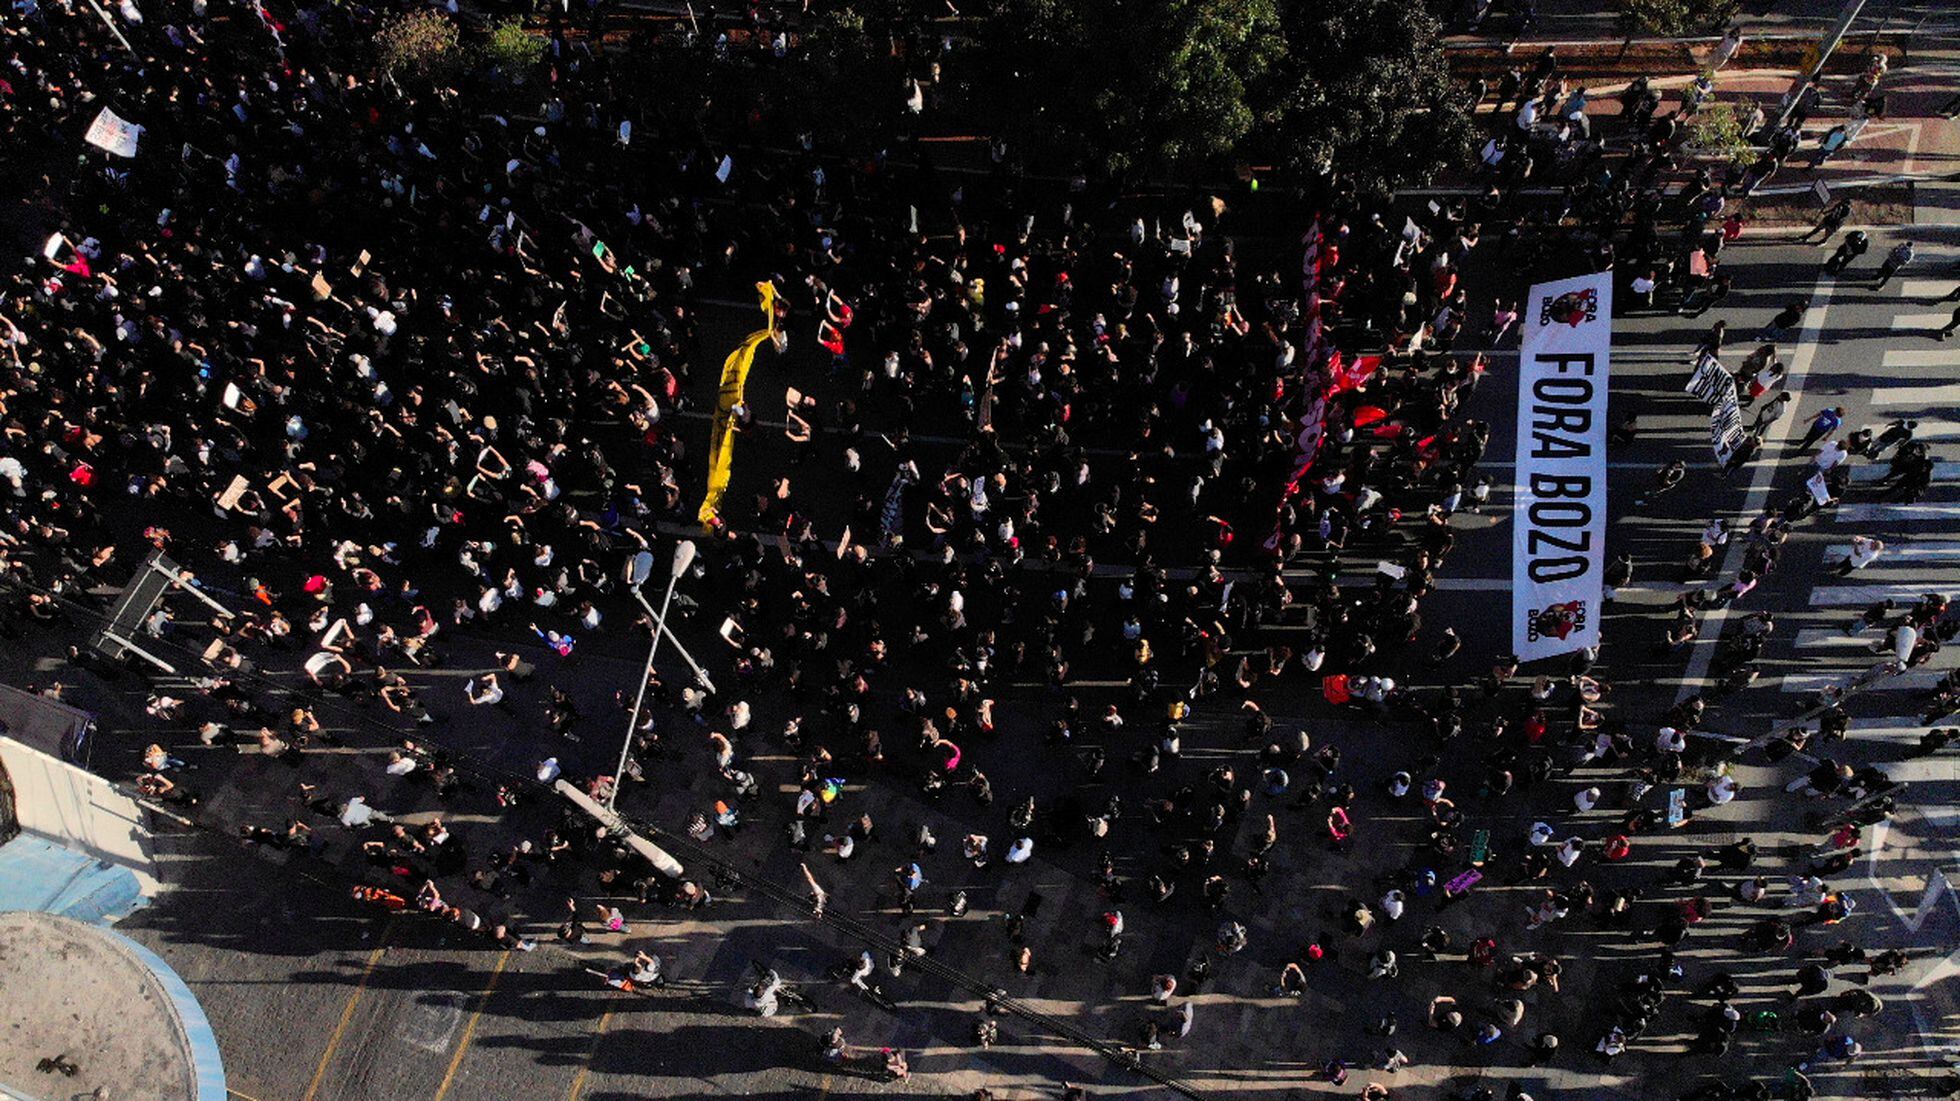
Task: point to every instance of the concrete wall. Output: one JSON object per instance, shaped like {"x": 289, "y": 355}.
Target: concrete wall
{"x": 78, "y": 811}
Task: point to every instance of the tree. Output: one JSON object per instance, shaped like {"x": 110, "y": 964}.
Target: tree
{"x": 1175, "y": 88}
{"x": 416, "y": 44}
{"x": 1676, "y": 18}
{"x": 1130, "y": 86}
{"x": 1363, "y": 90}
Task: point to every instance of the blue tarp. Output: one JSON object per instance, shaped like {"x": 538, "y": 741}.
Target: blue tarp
{"x": 37, "y": 874}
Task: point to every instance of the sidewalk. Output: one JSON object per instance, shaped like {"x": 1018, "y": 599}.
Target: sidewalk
{"x": 1911, "y": 143}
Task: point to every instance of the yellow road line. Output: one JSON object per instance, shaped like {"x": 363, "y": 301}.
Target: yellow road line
{"x": 823, "y": 1090}
{"x": 469, "y": 1030}
{"x": 346, "y": 1015}
{"x": 578, "y": 1081}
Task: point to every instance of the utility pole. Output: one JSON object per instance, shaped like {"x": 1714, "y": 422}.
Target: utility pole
{"x": 663, "y": 863}
{"x": 638, "y": 569}
{"x": 113, "y": 29}
{"x": 1824, "y": 51}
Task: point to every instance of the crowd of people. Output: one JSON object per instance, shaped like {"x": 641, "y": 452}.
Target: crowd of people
{"x": 394, "y": 375}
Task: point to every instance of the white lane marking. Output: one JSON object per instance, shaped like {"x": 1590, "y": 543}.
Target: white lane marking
{"x": 1921, "y": 357}
{"x": 1923, "y": 290}
{"x": 1872, "y": 472}
{"x": 1896, "y": 514}
{"x": 1901, "y": 552}
{"x": 1779, "y": 434}
{"x": 1923, "y": 397}
{"x": 1918, "y": 680}
{"x": 1860, "y": 596}
{"x": 1828, "y": 638}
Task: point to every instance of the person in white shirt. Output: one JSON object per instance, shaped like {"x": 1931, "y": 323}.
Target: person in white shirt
{"x": 1392, "y": 904}
{"x": 1830, "y": 455}
{"x": 1722, "y": 789}
{"x": 1725, "y": 50}
{"x": 356, "y": 813}
{"x": 1644, "y": 285}
{"x": 484, "y": 691}
{"x": 1864, "y": 551}
{"x": 400, "y": 764}
{"x": 1670, "y": 740}
{"x": 1019, "y": 852}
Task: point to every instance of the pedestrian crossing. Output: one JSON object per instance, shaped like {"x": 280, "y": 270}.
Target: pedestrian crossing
{"x": 1912, "y": 381}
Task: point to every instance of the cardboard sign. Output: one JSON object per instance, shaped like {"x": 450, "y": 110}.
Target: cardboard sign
{"x": 322, "y": 290}
{"x": 228, "y": 500}
{"x": 361, "y": 264}
{"x": 113, "y": 133}
{"x": 1677, "y": 806}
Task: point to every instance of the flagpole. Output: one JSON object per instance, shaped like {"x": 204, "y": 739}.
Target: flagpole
{"x": 113, "y": 29}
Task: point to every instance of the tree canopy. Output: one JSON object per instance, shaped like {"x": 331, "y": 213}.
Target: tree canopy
{"x": 1168, "y": 88}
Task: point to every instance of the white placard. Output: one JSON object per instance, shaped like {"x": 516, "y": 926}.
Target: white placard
{"x": 1559, "y": 529}
{"x": 113, "y": 133}
{"x": 1712, "y": 383}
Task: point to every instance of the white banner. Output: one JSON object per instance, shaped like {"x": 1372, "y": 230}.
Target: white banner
{"x": 1712, "y": 384}
{"x": 1559, "y": 526}
{"x": 113, "y": 133}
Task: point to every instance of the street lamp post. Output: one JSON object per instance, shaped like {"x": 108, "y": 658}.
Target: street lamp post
{"x": 638, "y": 569}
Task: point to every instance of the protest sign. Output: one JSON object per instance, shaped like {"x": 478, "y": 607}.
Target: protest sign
{"x": 113, "y": 133}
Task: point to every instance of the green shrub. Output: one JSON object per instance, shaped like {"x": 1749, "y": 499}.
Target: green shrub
{"x": 1716, "y": 131}
{"x": 1676, "y": 18}
{"x": 416, "y": 44}
{"x": 511, "y": 49}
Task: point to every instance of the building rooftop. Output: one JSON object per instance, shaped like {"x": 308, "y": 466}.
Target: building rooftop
{"x": 106, "y": 1007}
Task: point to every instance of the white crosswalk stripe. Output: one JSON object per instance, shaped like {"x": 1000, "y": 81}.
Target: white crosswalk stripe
{"x": 1831, "y": 638}
{"x": 1861, "y": 596}
{"x": 1872, "y": 472}
{"x": 1920, "y": 397}
{"x": 1912, "y": 321}
{"x": 1937, "y": 429}
{"x": 1914, "y": 680}
{"x": 1901, "y": 552}
{"x": 1926, "y": 290}
{"x": 1886, "y": 513}
{"x": 1942, "y": 356}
